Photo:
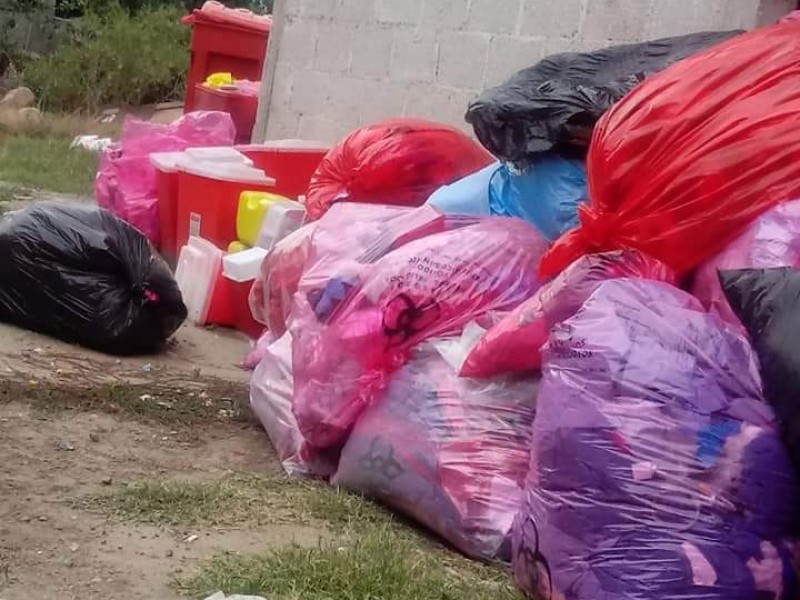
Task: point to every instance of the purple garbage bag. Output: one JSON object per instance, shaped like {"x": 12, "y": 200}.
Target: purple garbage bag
{"x": 656, "y": 467}
{"x": 451, "y": 453}
{"x": 773, "y": 240}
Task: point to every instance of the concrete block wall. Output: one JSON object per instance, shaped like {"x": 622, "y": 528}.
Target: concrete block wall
{"x": 339, "y": 64}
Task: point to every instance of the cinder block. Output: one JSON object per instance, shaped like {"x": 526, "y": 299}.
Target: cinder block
{"x": 670, "y": 18}
{"x": 551, "y": 18}
{"x": 282, "y": 121}
{"x": 379, "y": 100}
{"x": 741, "y": 14}
{"x": 371, "y": 52}
{"x": 311, "y": 92}
{"x": 319, "y": 9}
{"x": 332, "y": 53}
{"x": 560, "y": 45}
{"x": 616, "y": 20}
{"x": 769, "y": 11}
{"x": 462, "y": 59}
{"x": 292, "y": 8}
{"x": 437, "y": 103}
{"x": 360, "y": 12}
{"x": 298, "y": 42}
{"x": 414, "y": 55}
{"x": 445, "y": 14}
{"x": 407, "y": 12}
{"x": 321, "y": 129}
{"x": 509, "y": 54}
{"x": 491, "y": 16}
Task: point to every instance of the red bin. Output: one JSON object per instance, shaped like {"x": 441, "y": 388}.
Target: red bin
{"x": 208, "y": 199}
{"x": 290, "y": 162}
{"x": 241, "y": 106}
{"x": 225, "y": 40}
{"x": 166, "y": 165}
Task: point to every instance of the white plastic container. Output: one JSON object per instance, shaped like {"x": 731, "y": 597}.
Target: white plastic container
{"x": 243, "y": 266}
{"x": 198, "y": 268}
{"x": 281, "y": 219}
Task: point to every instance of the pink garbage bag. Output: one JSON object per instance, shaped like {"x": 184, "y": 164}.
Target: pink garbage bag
{"x": 348, "y": 238}
{"x": 430, "y": 287}
{"x": 515, "y": 343}
{"x": 450, "y": 453}
{"x": 126, "y": 181}
{"x": 271, "y": 401}
{"x": 773, "y": 240}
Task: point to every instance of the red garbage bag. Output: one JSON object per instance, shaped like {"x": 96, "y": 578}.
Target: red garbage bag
{"x": 691, "y": 156}
{"x": 427, "y": 288}
{"x": 515, "y": 343}
{"x": 399, "y": 162}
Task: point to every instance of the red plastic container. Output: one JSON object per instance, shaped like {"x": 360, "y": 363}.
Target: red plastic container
{"x": 240, "y": 303}
{"x": 290, "y": 162}
{"x": 166, "y": 165}
{"x": 225, "y": 41}
{"x": 242, "y": 107}
{"x": 208, "y": 199}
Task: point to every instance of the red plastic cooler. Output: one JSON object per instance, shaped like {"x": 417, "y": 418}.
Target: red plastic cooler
{"x": 166, "y": 165}
{"x": 225, "y": 40}
{"x": 208, "y": 199}
{"x": 290, "y": 162}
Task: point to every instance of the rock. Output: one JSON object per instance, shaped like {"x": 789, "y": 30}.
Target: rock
{"x": 20, "y": 97}
{"x": 20, "y": 120}
{"x": 43, "y": 519}
{"x": 107, "y": 480}
{"x": 169, "y": 554}
{"x": 94, "y": 437}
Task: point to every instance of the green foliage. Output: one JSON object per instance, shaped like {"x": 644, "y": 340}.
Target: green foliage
{"x": 115, "y": 58}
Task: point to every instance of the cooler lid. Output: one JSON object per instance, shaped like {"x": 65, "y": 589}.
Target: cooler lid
{"x": 217, "y": 12}
{"x": 227, "y": 154}
{"x": 288, "y": 146}
{"x": 166, "y": 161}
{"x": 222, "y": 171}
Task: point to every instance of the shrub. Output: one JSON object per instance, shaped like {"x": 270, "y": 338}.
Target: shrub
{"x": 115, "y": 58}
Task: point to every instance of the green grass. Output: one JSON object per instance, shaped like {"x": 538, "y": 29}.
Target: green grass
{"x": 372, "y": 555}
{"x": 378, "y": 564}
{"x": 236, "y": 500}
{"x": 47, "y": 163}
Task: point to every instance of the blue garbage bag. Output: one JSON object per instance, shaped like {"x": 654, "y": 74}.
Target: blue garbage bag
{"x": 467, "y": 196}
{"x": 547, "y": 194}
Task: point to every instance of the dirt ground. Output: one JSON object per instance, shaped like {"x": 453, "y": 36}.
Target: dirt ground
{"x": 50, "y": 547}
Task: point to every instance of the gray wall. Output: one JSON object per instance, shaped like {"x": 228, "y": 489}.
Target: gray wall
{"x": 337, "y": 64}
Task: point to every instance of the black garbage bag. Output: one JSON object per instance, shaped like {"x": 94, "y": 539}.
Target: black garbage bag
{"x": 767, "y": 301}
{"x": 554, "y": 105}
{"x": 79, "y": 274}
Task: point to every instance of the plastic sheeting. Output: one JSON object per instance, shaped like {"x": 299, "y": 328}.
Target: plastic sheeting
{"x": 399, "y": 162}
{"x": 771, "y": 241}
{"x": 768, "y": 302}
{"x": 547, "y": 194}
{"x": 126, "y": 181}
{"x": 554, "y": 104}
{"x": 514, "y": 344}
{"x": 428, "y": 288}
{"x": 81, "y": 275}
{"x": 687, "y": 160}
{"x": 271, "y": 400}
{"x": 656, "y": 468}
{"x": 450, "y": 453}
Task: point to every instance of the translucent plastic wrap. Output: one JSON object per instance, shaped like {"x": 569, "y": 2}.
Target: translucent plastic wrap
{"x": 81, "y": 275}
{"x": 126, "y": 180}
{"x": 324, "y": 259}
{"x": 686, "y": 161}
{"x": 399, "y": 161}
{"x": 554, "y": 104}
{"x": 271, "y": 400}
{"x": 450, "y": 453}
{"x": 427, "y": 288}
{"x": 514, "y": 344}
{"x": 768, "y": 303}
{"x": 771, "y": 241}
{"x": 656, "y": 467}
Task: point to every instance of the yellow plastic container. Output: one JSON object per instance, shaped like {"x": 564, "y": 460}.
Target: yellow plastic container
{"x": 237, "y": 246}
{"x": 253, "y": 207}
{"x": 217, "y": 80}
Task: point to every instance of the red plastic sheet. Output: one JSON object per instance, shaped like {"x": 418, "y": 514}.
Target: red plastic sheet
{"x": 399, "y": 162}
{"x": 691, "y": 156}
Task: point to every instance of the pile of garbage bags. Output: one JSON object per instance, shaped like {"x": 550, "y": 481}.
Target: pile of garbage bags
{"x": 579, "y": 358}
